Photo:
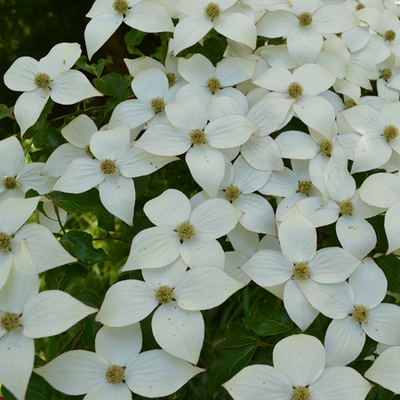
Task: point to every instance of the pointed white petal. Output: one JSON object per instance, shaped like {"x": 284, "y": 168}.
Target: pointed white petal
{"x": 296, "y": 144}
{"x": 110, "y": 391}
{"x": 392, "y": 227}
{"x": 381, "y": 190}
{"x": 304, "y": 44}
{"x": 168, "y": 275}
{"x": 21, "y": 75}
{"x": 13, "y": 159}
{"x": 60, "y": 58}
{"x": 131, "y": 112}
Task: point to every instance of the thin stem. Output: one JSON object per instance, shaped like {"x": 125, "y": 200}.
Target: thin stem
{"x": 77, "y": 336}
{"x": 113, "y": 238}
{"x": 72, "y": 114}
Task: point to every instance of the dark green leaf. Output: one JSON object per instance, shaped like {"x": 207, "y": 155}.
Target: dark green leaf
{"x": 234, "y": 335}
{"x": 379, "y": 393}
{"x": 269, "y": 318}
{"x": 95, "y": 69}
{"x": 59, "y": 278}
{"x": 80, "y": 245}
{"x": 229, "y": 363}
{"x": 85, "y": 202}
{"x": 6, "y": 112}
{"x": 390, "y": 266}
{"x": 38, "y": 389}
{"x": 88, "y": 297}
{"x": 133, "y": 39}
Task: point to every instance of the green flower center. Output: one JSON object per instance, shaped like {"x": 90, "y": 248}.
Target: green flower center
{"x": 115, "y": 374}
{"x": 88, "y": 152}
{"x": 164, "y": 294}
{"x": 121, "y": 6}
{"x": 10, "y": 183}
{"x": 10, "y": 321}
{"x": 42, "y": 80}
{"x": 386, "y": 74}
{"x": 325, "y": 147}
{"x": 360, "y": 7}
{"x": 158, "y": 105}
{"x": 304, "y": 187}
{"x": 346, "y": 207}
{"x": 5, "y": 241}
{"x": 360, "y": 313}
{"x": 232, "y": 193}
{"x": 185, "y": 231}
{"x": 349, "y": 104}
{"x": 305, "y": 19}
{"x": 301, "y": 270}
{"x": 390, "y": 133}
{"x": 390, "y": 35}
{"x": 294, "y": 90}
{"x": 171, "y": 78}
{"x": 198, "y": 137}
{"x": 108, "y": 166}
{"x": 213, "y": 84}
{"x": 301, "y": 393}
{"x": 213, "y": 11}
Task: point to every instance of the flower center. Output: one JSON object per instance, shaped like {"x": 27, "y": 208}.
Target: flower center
{"x": 42, "y": 80}
{"x": 386, "y": 74}
{"x": 10, "y": 321}
{"x": 185, "y": 230}
{"x": 349, "y": 104}
{"x": 390, "y": 35}
{"x": 5, "y": 241}
{"x": 232, "y": 193}
{"x": 198, "y": 137}
{"x": 164, "y": 294}
{"x": 301, "y": 393}
{"x": 213, "y": 84}
{"x": 121, "y": 6}
{"x": 171, "y": 78}
{"x": 158, "y": 105}
{"x": 301, "y": 270}
{"x": 88, "y": 152}
{"x": 360, "y": 7}
{"x": 213, "y": 11}
{"x": 115, "y": 374}
{"x": 325, "y": 147}
{"x": 346, "y": 207}
{"x": 305, "y": 19}
{"x": 294, "y": 90}
{"x": 360, "y": 313}
{"x": 304, "y": 187}
{"x": 10, "y": 183}
{"x": 390, "y": 133}
{"x": 108, "y": 166}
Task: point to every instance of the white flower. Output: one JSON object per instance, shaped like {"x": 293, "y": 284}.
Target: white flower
{"x": 49, "y": 77}
{"x": 116, "y": 367}
{"x": 26, "y": 315}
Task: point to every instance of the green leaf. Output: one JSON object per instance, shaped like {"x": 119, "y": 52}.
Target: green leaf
{"x": 59, "y": 278}
{"x": 85, "y": 202}
{"x": 229, "y": 363}
{"x": 6, "y": 112}
{"x": 269, "y": 318}
{"x": 234, "y": 335}
{"x": 88, "y": 297}
{"x": 390, "y": 266}
{"x": 38, "y": 389}
{"x": 133, "y": 39}
{"x": 379, "y": 393}
{"x": 80, "y": 245}
{"x": 95, "y": 69}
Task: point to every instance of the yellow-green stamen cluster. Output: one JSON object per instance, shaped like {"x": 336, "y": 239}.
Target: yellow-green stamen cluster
{"x": 305, "y": 19}
{"x": 108, "y": 166}
{"x": 115, "y": 374}
{"x": 390, "y": 35}
{"x": 390, "y": 133}
{"x": 360, "y": 7}
{"x": 294, "y": 90}
{"x": 171, "y": 78}
{"x": 301, "y": 270}
{"x": 360, "y": 313}
{"x": 386, "y": 74}
{"x": 213, "y": 84}
{"x": 88, "y": 152}
{"x": 158, "y": 105}
{"x": 197, "y": 137}
{"x": 213, "y": 11}
{"x": 325, "y": 147}
{"x": 350, "y": 103}
{"x": 5, "y": 241}
{"x": 10, "y": 183}
{"x": 301, "y": 393}
{"x": 164, "y": 294}
{"x": 42, "y": 80}
{"x": 304, "y": 187}
{"x": 346, "y": 207}
{"x": 185, "y": 230}
{"x": 121, "y": 6}
{"x": 232, "y": 193}
{"x": 10, "y": 321}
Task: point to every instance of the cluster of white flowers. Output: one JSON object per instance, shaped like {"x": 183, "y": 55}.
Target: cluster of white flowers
{"x": 233, "y": 125}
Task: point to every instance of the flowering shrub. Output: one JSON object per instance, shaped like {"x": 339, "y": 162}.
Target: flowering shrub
{"x": 221, "y": 222}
